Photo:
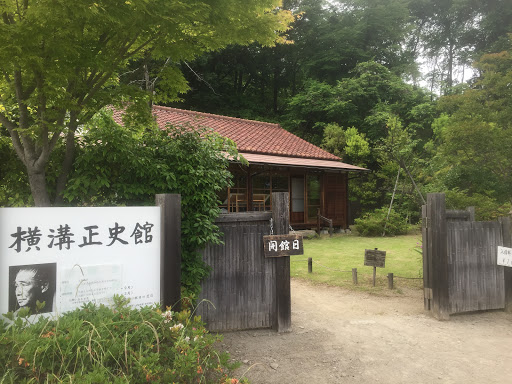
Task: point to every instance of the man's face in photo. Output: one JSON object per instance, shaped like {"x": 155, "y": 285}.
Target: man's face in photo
{"x": 27, "y": 288}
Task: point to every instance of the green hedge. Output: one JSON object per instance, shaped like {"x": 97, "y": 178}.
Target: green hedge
{"x": 111, "y": 345}
{"x": 373, "y": 223}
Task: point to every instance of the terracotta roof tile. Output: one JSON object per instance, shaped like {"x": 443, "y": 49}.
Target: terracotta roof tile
{"x": 258, "y": 141}
{"x": 249, "y": 135}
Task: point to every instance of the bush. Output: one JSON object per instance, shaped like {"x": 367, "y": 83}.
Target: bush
{"x": 372, "y": 224}
{"x": 115, "y": 165}
{"x": 486, "y": 208}
{"x": 111, "y": 345}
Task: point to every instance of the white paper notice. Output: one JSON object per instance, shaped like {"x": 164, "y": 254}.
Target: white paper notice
{"x": 505, "y": 256}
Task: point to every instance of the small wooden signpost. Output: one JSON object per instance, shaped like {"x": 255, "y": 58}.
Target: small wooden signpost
{"x": 282, "y": 245}
{"x": 374, "y": 258}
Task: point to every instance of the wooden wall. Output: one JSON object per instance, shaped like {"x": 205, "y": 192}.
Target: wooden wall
{"x": 242, "y": 284}
{"x": 460, "y": 270}
{"x": 476, "y": 281}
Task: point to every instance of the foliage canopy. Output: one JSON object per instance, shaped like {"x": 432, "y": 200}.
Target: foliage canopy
{"x": 61, "y": 62}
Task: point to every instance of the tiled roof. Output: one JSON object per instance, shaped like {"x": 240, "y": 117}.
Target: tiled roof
{"x": 251, "y": 136}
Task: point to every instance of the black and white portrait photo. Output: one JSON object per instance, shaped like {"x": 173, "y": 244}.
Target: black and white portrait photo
{"x": 31, "y": 283}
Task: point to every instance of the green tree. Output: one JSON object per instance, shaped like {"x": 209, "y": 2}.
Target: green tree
{"x": 364, "y": 101}
{"x": 495, "y": 26}
{"x": 61, "y": 62}
{"x": 347, "y": 144}
{"x": 474, "y": 136}
{"x": 329, "y": 40}
{"x": 348, "y": 32}
{"x": 399, "y": 152}
{"x": 454, "y": 33}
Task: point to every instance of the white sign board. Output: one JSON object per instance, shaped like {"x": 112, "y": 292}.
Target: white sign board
{"x": 505, "y": 256}
{"x": 71, "y": 256}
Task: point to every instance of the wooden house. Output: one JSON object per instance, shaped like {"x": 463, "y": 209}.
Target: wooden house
{"x": 278, "y": 162}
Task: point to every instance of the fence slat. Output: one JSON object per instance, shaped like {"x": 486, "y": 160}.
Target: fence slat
{"x": 437, "y": 243}
{"x": 281, "y": 217}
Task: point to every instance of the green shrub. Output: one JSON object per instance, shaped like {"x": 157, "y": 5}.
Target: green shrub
{"x": 486, "y": 208}
{"x": 111, "y": 345}
{"x": 115, "y": 165}
{"x": 373, "y": 223}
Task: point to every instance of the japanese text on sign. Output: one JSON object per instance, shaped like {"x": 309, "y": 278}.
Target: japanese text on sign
{"x": 282, "y": 245}
{"x": 505, "y": 256}
{"x": 62, "y": 237}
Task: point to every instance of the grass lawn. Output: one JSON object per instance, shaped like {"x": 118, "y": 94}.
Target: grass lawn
{"x": 334, "y": 257}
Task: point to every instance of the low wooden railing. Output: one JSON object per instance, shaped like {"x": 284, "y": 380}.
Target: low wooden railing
{"x": 324, "y": 219}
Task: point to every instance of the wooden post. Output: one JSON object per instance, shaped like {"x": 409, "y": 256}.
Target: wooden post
{"x": 374, "y": 272}
{"x": 354, "y": 275}
{"x": 438, "y": 251}
{"x": 283, "y": 302}
{"x": 506, "y": 225}
{"x": 471, "y": 211}
{"x": 427, "y": 296}
{"x": 170, "y": 259}
{"x": 317, "y": 221}
{"x": 390, "y": 280}
{"x": 310, "y": 265}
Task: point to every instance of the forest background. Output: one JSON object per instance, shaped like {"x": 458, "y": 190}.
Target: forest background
{"x": 420, "y": 86}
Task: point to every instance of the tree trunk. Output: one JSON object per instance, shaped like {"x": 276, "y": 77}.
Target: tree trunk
{"x": 67, "y": 163}
{"x": 37, "y": 181}
{"x": 449, "y": 79}
{"x": 275, "y": 88}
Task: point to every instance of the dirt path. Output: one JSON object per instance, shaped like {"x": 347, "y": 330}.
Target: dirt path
{"x": 342, "y": 336}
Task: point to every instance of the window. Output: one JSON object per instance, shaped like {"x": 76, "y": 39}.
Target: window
{"x": 314, "y": 193}
{"x": 263, "y": 185}
{"x": 261, "y": 192}
{"x": 298, "y": 194}
{"x": 235, "y": 198}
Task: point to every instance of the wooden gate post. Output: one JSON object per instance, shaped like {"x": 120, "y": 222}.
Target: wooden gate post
{"x": 506, "y": 227}
{"x": 427, "y": 284}
{"x": 283, "y": 302}
{"x": 170, "y": 249}
{"x": 438, "y": 253}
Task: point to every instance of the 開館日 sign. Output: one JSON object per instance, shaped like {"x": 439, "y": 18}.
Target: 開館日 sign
{"x": 282, "y": 245}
